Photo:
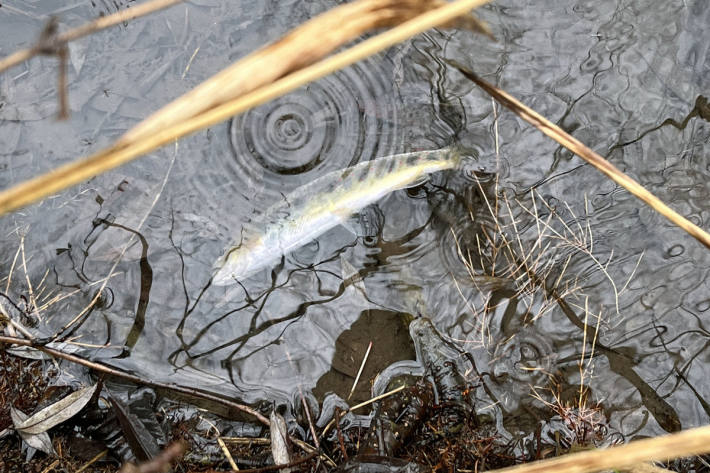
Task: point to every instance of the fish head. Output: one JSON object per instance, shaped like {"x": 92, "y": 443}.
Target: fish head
{"x": 237, "y": 263}
{"x": 476, "y": 166}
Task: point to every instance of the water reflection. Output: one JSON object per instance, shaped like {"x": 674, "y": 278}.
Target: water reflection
{"x": 621, "y": 76}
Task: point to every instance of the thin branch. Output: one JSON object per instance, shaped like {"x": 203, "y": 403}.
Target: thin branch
{"x": 101, "y": 368}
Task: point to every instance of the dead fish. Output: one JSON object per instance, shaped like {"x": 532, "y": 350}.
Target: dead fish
{"x": 328, "y": 201}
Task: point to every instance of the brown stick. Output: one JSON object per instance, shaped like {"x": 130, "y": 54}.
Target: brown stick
{"x": 160, "y": 463}
{"x": 581, "y": 150}
{"x": 80, "y": 170}
{"x": 88, "y": 28}
{"x": 101, "y": 368}
{"x": 681, "y": 444}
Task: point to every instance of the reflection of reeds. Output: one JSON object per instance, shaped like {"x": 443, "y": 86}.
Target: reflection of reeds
{"x": 535, "y": 248}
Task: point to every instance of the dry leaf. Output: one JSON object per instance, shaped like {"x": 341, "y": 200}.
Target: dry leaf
{"x": 41, "y": 441}
{"x": 143, "y": 443}
{"x": 56, "y": 413}
{"x": 279, "y": 440}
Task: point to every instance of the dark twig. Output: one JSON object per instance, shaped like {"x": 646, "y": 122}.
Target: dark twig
{"x": 48, "y": 45}
{"x": 340, "y": 434}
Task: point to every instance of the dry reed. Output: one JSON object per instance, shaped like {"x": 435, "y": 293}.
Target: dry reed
{"x": 125, "y": 151}
{"x": 580, "y": 149}
{"x": 682, "y": 444}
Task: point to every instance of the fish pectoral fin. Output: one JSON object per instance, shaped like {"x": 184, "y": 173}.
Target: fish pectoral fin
{"x": 348, "y": 219}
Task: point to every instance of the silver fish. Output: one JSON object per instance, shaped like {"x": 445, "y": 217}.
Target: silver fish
{"x": 324, "y": 203}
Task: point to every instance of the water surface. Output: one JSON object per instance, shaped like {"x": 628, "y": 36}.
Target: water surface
{"x": 625, "y": 77}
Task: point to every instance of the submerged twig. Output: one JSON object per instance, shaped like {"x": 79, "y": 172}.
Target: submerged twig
{"x": 577, "y": 147}
{"x": 121, "y": 153}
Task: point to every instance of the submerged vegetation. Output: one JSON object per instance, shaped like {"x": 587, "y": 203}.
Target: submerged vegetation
{"x": 60, "y": 396}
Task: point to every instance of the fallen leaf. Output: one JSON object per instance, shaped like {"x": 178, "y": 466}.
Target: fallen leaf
{"x": 56, "y": 413}
{"x": 279, "y": 441}
{"x": 143, "y": 444}
{"x": 39, "y": 441}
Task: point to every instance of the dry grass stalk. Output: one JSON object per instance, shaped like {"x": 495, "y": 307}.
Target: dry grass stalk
{"x": 60, "y": 40}
{"x": 301, "y": 47}
{"x": 359, "y": 372}
{"x": 93, "y": 460}
{"x": 533, "y": 256}
{"x": 78, "y": 171}
{"x": 580, "y": 149}
{"x": 535, "y": 252}
{"x": 682, "y": 444}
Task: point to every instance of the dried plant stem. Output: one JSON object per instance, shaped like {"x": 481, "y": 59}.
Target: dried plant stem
{"x": 301, "y": 47}
{"x": 96, "y": 458}
{"x": 101, "y": 368}
{"x": 359, "y": 372}
{"x": 86, "y": 29}
{"x": 78, "y": 171}
{"x": 681, "y": 444}
{"x": 226, "y": 453}
{"x": 580, "y": 149}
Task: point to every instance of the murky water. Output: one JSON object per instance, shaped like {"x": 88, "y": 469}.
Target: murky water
{"x": 625, "y": 77}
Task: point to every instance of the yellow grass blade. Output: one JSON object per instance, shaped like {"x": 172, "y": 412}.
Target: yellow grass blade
{"x": 681, "y": 444}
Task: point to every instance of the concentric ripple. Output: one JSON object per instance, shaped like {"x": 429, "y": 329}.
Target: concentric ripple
{"x": 334, "y": 123}
{"x": 525, "y": 358}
